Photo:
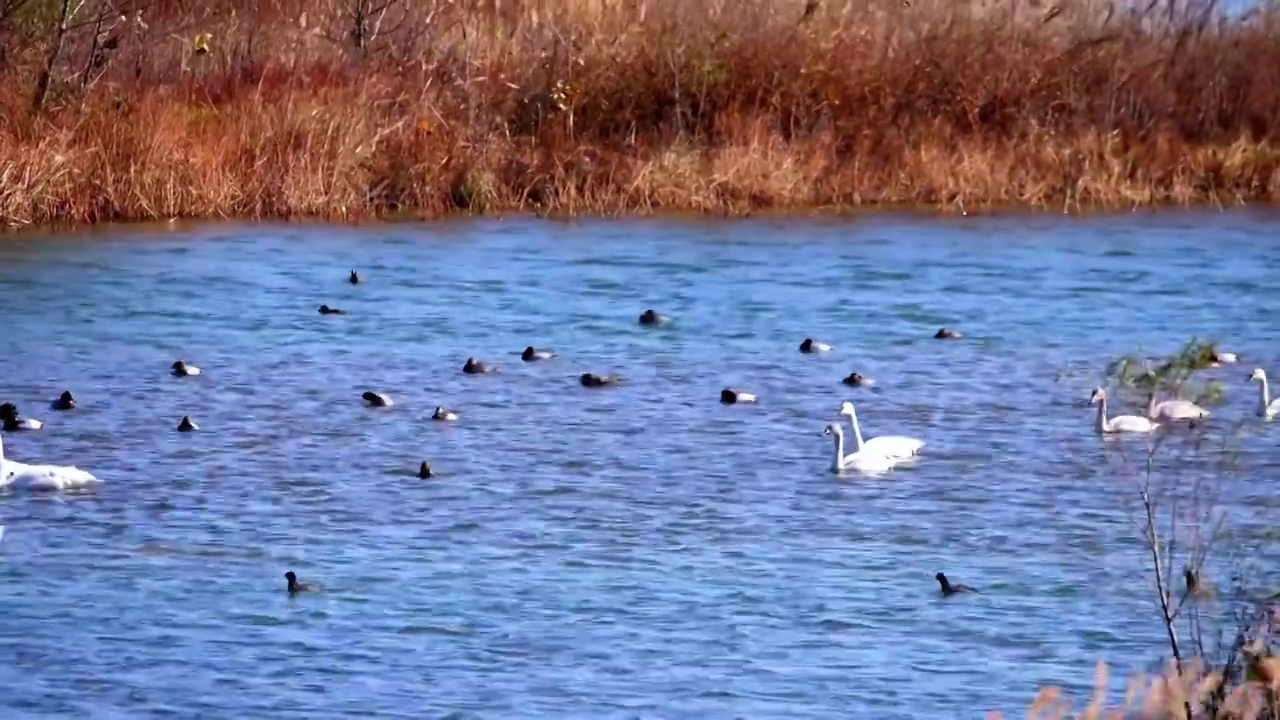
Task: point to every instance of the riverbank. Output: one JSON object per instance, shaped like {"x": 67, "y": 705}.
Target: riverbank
{"x": 571, "y": 107}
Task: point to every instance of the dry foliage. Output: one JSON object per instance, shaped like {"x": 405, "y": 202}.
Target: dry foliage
{"x": 350, "y": 108}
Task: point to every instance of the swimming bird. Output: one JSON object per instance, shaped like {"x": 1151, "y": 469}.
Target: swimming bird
{"x": 296, "y": 587}
{"x": 947, "y": 334}
{"x": 442, "y": 413}
{"x": 376, "y": 399}
{"x": 181, "y": 369}
{"x": 809, "y": 345}
{"x": 898, "y": 447}
{"x": 854, "y": 379}
{"x": 652, "y": 317}
{"x": 948, "y": 589}
{"x": 862, "y": 460}
{"x": 1223, "y": 358}
{"x": 354, "y": 278}
{"x": 187, "y": 425}
{"x": 1267, "y": 408}
{"x": 475, "y": 367}
{"x": 531, "y": 354}
{"x": 41, "y": 477}
{"x": 13, "y": 423}
{"x": 1174, "y": 410}
{"x": 1119, "y": 423}
{"x": 729, "y": 396}
{"x": 65, "y": 401}
{"x": 326, "y": 310}
{"x": 424, "y": 470}
{"x": 592, "y": 380}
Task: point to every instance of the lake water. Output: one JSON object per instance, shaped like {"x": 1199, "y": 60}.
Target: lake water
{"x": 633, "y": 552}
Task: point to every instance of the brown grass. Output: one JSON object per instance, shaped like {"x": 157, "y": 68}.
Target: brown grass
{"x": 587, "y": 106}
{"x": 1167, "y": 696}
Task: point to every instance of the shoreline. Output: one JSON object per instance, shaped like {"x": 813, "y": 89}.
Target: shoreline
{"x": 915, "y": 213}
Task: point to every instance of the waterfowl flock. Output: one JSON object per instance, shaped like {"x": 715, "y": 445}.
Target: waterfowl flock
{"x": 868, "y": 456}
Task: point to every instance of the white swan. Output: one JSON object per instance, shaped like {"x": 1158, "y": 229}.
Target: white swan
{"x": 181, "y": 369}
{"x": 1119, "y": 423}
{"x": 1223, "y": 358}
{"x": 1174, "y": 410}
{"x": 1267, "y": 408}
{"x": 41, "y": 477}
{"x": 862, "y": 460}
{"x": 893, "y": 446}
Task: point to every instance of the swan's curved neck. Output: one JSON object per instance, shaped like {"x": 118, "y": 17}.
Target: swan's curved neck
{"x": 1265, "y": 394}
{"x": 857, "y": 432}
{"x": 1151, "y": 404}
{"x": 1102, "y": 413}
{"x": 837, "y": 463}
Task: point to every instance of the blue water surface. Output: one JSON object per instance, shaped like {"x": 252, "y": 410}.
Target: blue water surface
{"x": 634, "y": 552}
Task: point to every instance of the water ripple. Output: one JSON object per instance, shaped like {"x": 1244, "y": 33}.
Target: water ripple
{"x": 640, "y": 551}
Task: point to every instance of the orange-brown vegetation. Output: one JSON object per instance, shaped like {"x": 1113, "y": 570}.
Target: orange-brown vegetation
{"x": 136, "y": 109}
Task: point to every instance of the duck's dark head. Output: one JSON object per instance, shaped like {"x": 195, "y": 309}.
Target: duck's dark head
{"x": 370, "y": 396}
{"x": 528, "y": 354}
{"x": 728, "y": 396}
{"x": 471, "y": 366}
{"x": 942, "y": 579}
{"x": 353, "y": 278}
{"x": 649, "y": 317}
{"x": 291, "y": 577}
{"x": 807, "y": 345}
{"x": 946, "y": 334}
{"x": 66, "y": 397}
{"x": 589, "y": 379}
{"x": 324, "y": 310}
{"x": 855, "y": 379}
{"x": 185, "y": 424}
{"x": 178, "y": 366}
{"x": 8, "y": 411}
{"x": 424, "y": 470}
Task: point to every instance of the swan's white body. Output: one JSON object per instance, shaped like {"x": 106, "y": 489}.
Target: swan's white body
{"x": 1175, "y": 410}
{"x": 862, "y": 460}
{"x": 41, "y": 477}
{"x": 898, "y": 447}
{"x": 1119, "y": 423}
{"x": 1267, "y": 408}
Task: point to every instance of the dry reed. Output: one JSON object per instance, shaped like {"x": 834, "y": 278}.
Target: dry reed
{"x": 353, "y": 108}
